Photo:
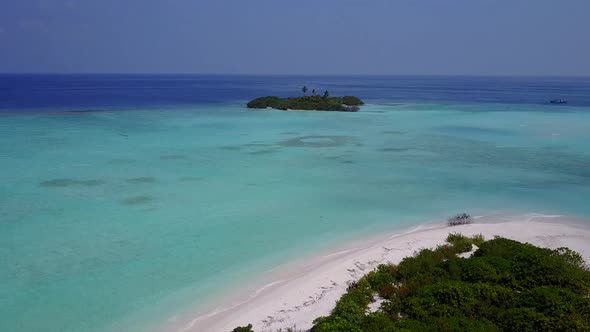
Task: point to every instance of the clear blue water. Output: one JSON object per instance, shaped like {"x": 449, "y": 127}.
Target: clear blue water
{"x": 117, "y": 220}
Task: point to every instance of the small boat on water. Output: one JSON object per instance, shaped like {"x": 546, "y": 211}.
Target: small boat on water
{"x": 558, "y": 101}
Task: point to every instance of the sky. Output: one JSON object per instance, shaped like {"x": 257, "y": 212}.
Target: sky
{"x": 335, "y": 37}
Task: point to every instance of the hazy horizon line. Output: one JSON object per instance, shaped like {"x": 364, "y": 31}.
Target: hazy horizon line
{"x": 297, "y": 75}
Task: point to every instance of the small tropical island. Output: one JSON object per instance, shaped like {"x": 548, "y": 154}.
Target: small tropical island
{"x": 314, "y": 102}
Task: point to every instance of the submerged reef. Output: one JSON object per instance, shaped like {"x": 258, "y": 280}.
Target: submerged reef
{"x": 137, "y": 200}
{"x": 319, "y": 141}
{"x": 71, "y": 182}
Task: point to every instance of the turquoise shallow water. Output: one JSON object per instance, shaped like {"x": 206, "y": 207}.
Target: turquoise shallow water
{"x": 107, "y": 216}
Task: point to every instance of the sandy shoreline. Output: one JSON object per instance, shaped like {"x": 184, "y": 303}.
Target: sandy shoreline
{"x": 302, "y": 292}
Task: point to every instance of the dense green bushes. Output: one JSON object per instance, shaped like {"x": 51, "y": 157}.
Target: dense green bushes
{"x": 264, "y": 102}
{"x": 504, "y": 286}
{"x": 315, "y": 102}
{"x": 352, "y": 101}
{"x": 243, "y": 328}
{"x": 462, "y": 243}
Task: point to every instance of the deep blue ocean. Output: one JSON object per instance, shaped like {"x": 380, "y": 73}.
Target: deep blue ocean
{"x": 130, "y": 203}
{"x": 96, "y": 92}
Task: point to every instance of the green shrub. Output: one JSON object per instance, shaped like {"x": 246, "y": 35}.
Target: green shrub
{"x": 479, "y": 269}
{"x": 264, "y": 102}
{"x": 449, "y": 324}
{"x": 451, "y": 269}
{"x": 424, "y": 262}
{"x": 334, "y": 324}
{"x": 554, "y": 301}
{"x": 465, "y": 324}
{"x": 362, "y": 291}
{"x": 478, "y": 239}
{"x": 411, "y": 325}
{"x": 392, "y": 307}
{"x": 350, "y": 308}
{"x": 243, "y": 329}
{"x": 444, "y": 298}
{"x": 506, "y": 248}
{"x": 378, "y": 322}
{"x": 525, "y": 319}
{"x": 534, "y": 267}
{"x": 454, "y": 237}
{"x": 352, "y": 101}
{"x": 382, "y": 280}
{"x": 570, "y": 256}
{"x": 460, "y": 242}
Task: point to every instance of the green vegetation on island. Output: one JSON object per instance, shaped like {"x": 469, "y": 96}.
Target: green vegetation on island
{"x": 504, "y": 285}
{"x": 314, "y": 102}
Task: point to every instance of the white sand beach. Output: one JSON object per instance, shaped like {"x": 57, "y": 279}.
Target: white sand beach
{"x": 305, "y": 291}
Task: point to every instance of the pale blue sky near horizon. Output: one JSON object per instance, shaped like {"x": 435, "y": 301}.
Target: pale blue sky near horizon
{"x": 390, "y": 37}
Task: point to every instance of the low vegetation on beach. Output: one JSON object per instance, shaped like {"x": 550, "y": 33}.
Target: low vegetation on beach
{"x": 504, "y": 285}
{"x": 461, "y": 243}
